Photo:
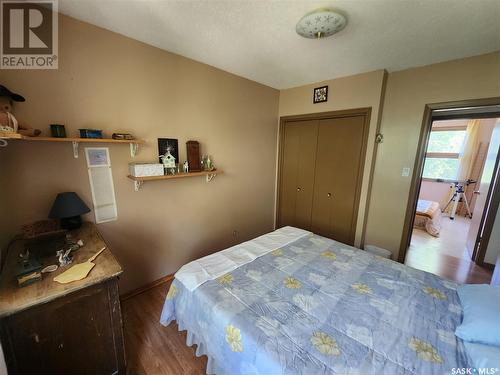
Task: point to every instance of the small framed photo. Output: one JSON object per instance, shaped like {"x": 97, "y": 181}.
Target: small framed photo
{"x": 168, "y": 144}
{"x": 320, "y": 94}
{"x": 97, "y": 156}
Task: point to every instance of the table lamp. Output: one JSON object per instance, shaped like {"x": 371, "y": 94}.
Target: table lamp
{"x": 68, "y": 207}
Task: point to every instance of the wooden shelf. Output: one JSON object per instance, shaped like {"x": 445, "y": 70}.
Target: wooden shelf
{"x": 138, "y": 181}
{"x": 82, "y": 140}
{"x": 9, "y": 135}
{"x": 134, "y": 143}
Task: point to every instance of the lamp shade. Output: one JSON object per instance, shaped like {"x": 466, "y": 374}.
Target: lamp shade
{"x": 66, "y": 205}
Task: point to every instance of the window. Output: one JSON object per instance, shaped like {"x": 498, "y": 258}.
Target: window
{"x": 443, "y": 152}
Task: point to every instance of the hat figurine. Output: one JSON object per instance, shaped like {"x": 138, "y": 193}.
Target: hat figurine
{"x": 7, "y": 120}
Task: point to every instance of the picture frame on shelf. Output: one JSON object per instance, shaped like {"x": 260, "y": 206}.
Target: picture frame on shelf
{"x": 168, "y": 144}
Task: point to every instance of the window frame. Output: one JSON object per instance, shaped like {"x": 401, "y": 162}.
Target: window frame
{"x": 442, "y": 155}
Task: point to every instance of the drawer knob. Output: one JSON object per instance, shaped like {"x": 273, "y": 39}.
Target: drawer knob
{"x": 299, "y": 189}
{"x": 329, "y": 195}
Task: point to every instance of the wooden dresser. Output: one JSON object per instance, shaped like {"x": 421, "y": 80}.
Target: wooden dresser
{"x": 75, "y": 328}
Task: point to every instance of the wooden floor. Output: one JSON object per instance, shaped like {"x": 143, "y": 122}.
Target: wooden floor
{"x": 151, "y": 348}
{"x": 446, "y": 255}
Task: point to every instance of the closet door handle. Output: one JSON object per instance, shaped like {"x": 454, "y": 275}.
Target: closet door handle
{"x": 329, "y": 195}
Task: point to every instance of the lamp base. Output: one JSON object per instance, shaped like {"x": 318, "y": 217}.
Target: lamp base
{"x": 70, "y": 223}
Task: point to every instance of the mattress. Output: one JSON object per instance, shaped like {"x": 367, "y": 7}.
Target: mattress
{"x": 428, "y": 217}
{"x": 317, "y": 306}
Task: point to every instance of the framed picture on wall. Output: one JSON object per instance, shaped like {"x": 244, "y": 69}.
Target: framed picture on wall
{"x": 168, "y": 144}
{"x": 97, "y": 156}
{"x": 320, "y": 94}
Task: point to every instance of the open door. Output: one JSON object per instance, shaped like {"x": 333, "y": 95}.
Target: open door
{"x": 488, "y": 184}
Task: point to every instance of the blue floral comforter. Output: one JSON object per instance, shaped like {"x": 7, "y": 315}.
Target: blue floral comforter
{"x": 317, "y": 306}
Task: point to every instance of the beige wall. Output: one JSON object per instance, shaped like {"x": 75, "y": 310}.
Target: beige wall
{"x": 111, "y": 82}
{"x": 407, "y": 93}
{"x": 362, "y": 90}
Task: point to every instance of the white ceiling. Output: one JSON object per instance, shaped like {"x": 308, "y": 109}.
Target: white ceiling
{"x": 257, "y": 39}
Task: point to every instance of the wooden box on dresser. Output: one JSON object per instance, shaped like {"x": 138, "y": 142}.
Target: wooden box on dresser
{"x": 75, "y": 328}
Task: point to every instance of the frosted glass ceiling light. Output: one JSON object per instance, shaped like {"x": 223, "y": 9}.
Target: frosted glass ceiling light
{"x": 320, "y": 23}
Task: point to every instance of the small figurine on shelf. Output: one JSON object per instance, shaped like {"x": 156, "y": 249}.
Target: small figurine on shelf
{"x": 8, "y": 123}
{"x": 209, "y": 166}
{"x": 168, "y": 162}
{"x": 186, "y": 167}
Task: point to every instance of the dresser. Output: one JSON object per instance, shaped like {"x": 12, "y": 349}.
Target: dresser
{"x": 74, "y": 328}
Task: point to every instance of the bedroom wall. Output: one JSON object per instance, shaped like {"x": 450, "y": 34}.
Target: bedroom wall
{"x": 114, "y": 83}
{"x": 407, "y": 93}
{"x": 357, "y": 91}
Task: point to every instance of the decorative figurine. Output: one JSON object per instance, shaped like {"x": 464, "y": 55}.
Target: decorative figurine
{"x": 64, "y": 257}
{"x": 7, "y": 120}
{"x": 208, "y": 164}
{"x": 168, "y": 162}
{"x": 186, "y": 167}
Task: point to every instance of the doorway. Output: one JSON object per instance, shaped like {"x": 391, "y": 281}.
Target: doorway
{"x": 453, "y": 201}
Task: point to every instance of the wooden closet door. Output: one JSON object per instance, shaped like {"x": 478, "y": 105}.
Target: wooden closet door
{"x": 339, "y": 160}
{"x": 297, "y": 173}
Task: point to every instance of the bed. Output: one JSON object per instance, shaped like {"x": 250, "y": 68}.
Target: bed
{"x": 428, "y": 217}
{"x": 292, "y": 302}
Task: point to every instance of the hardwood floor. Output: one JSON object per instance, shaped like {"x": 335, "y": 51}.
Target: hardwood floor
{"x": 446, "y": 255}
{"x": 152, "y": 348}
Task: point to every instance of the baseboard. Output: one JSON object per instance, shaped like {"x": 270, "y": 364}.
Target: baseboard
{"x": 145, "y": 288}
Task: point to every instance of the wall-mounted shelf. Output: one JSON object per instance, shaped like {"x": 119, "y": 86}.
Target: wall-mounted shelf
{"x": 139, "y": 181}
{"x": 9, "y": 135}
{"x": 134, "y": 143}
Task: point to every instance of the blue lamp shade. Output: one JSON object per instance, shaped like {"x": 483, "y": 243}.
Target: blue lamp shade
{"x": 68, "y": 207}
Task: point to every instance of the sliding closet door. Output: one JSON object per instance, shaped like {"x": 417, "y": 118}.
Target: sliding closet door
{"x": 339, "y": 162}
{"x": 297, "y": 173}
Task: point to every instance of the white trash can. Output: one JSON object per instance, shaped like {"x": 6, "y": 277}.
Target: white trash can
{"x": 375, "y": 250}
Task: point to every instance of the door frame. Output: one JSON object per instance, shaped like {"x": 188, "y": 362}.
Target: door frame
{"x": 487, "y": 221}
{"x": 366, "y": 112}
{"x": 471, "y": 110}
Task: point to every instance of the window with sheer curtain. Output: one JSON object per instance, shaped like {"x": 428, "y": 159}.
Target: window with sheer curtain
{"x": 443, "y": 154}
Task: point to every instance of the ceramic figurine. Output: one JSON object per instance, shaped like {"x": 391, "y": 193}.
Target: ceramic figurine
{"x": 168, "y": 162}
{"x": 7, "y": 120}
{"x": 64, "y": 257}
{"x": 186, "y": 167}
{"x": 209, "y": 164}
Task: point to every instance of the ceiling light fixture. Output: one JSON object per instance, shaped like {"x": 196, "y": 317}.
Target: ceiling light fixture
{"x": 320, "y": 23}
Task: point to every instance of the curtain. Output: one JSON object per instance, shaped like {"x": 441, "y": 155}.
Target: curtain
{"x": 468, "y": 151}
{"x": 465, "y": 159}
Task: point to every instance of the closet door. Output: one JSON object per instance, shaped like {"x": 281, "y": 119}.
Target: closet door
{"x": 339, "y": 162}
{"x": 297, "y": 173}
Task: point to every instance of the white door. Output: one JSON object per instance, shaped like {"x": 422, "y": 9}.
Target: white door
{"x": 482, "y": 203}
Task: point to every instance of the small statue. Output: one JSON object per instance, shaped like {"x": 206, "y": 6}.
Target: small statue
{"x": 186, "y": 167}
{"x": 208, "y": 164}
{"x": 64, "y": 257}
{"x": 168, "y": 162}
{"x": 7, "y": 120}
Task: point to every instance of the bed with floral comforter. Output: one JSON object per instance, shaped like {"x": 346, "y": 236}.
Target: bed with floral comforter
{"x": 317, "y": 306}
